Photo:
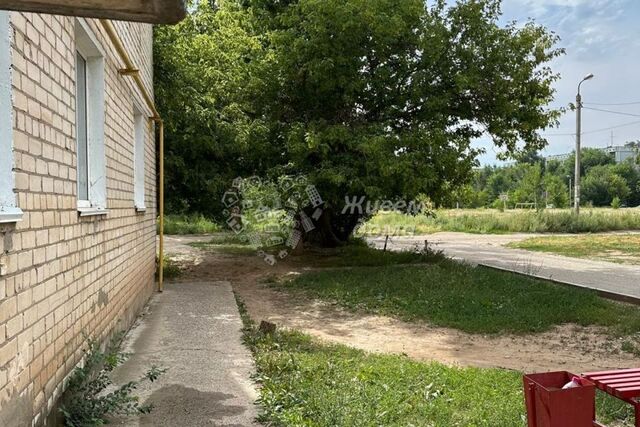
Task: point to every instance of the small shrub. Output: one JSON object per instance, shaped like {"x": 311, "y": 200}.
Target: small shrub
{"x": 170, "y": 268}
{"x": 616, "y": 203}
{"x": 86, "y": 401}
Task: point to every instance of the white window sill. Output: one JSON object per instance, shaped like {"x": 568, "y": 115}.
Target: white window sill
{"x": 141, "y": 209}
{"x": 9, "y": 215}
{"x": 92, "y": 211}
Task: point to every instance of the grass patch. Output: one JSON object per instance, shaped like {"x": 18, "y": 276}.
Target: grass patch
{"x": 307, "y": 383}
{"x": 358, "y": 253}
{"x": 624, "y": 249}
{"x": 474, "y": 300}
{"x": 189, "y": 224}
{"x": 170, "y": 268}
{"x": 494, "y": 221}
{"x": 228, "y": 243}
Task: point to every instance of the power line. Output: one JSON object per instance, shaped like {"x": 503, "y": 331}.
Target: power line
{"x": 613, "y": 104}
{"x": 558, "y": 134}
{"x": 612, "y": 127}
{"x": 612, "y": 112}
{"x": 595, "y": 130}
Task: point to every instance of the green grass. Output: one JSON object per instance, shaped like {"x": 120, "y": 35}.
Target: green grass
{"x": 494, "y": 221}
{"x": 474, "y": 300}
{"x": 307, "y": 383}
{"x": 358, "y": 253}
{"x": 228, "y": 243}
{"x": 470, "y": 220}
{"x": 619, "y": 248}
{"x": 189, "y": 224}
{"x": 170, "y": 268}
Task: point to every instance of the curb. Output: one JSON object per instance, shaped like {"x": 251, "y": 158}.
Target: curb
{"x": 605, "y": 294}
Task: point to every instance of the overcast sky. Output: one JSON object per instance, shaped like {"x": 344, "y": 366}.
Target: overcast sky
{"x": 601, "y": 37}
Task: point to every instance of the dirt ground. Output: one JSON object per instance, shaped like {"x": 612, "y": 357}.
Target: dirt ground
{"x": 569, "y": 347}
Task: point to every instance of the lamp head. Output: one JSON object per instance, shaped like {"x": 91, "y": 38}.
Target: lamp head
{"x": 589, "y": 77}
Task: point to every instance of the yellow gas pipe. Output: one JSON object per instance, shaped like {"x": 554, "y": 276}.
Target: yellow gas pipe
{"x": 131, "y": 70}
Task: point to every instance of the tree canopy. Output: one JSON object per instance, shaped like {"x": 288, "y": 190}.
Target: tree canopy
{"x": 374, "y": 98}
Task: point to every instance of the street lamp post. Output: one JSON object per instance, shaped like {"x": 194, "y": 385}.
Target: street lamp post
{"x": 576, "y": 194}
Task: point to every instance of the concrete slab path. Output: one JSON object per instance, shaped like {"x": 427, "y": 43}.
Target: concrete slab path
{"x": 488, "y": 249}
{"x": 193, "y": 330}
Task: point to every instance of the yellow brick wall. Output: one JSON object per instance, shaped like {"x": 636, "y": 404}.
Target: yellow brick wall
{"x": 69, "y": 276}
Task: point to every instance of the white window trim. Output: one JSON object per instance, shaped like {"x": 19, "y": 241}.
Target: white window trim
{"x": 139, "y": 164}
{"x": 89, "y": 211}
{"x": 88, "y": 47}
{"x": 9, "y": 211}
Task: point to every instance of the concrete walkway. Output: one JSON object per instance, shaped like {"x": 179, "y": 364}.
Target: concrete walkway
{"x": 193, "y": 330}
{"x": 489, "y": 250}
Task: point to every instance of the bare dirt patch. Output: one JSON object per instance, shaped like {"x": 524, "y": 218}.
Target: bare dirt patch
{"x": 618, "y": 256}
{"x": 568, "y": 347}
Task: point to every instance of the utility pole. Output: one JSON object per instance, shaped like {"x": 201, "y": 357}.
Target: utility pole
{"x": 569, "y": 176}
{"x": 576, "y": 196}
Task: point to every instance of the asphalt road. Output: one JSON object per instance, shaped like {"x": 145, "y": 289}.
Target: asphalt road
{"x": 489, "y": 250}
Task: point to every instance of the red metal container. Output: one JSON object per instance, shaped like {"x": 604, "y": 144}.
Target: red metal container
{"x": 550, "y": 406}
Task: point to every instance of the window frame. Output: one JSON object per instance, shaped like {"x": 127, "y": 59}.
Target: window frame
{"x": 9, "y": 210}
{"x": 88, "y": 49}
{"x": 82, "y": 202}
{"x": 140, "y": 122}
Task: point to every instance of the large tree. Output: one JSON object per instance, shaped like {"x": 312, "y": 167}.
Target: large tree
{"x": 602, "y": 184}
{"x": 589, "y": 158}
{"x": 373, "y": 98}
{"x": 382, "y": 98}
{"x": 203, "y": 83}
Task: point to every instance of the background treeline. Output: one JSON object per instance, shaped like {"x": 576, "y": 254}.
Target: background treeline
{"x": 534, "y": 180}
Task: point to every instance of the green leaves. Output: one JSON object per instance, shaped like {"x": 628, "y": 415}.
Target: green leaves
{"x": 394, "y": 92}
{"x": 204, "y": 80}
{"x": 85, "y": 402}
{"x": 377, "y": 98}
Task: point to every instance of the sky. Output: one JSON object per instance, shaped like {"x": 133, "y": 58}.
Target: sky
{"x": 600, "y": 37}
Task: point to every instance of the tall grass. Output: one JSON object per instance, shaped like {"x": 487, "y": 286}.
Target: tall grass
{"x": 493, "y": 221}
{"x": 190, "y": 224}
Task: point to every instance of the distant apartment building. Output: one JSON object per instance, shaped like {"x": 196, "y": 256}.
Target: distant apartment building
{"x": 558, "y": 157}
{"x": 77, "y": 199}
{"x": 620, "y": 153}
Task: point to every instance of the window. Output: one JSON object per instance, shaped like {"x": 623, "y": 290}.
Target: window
{"x": 138, "y": 162}
{"x": 81, "y": 129}
{"x": 90, "y": 110}
{"x": 9, "y": 211}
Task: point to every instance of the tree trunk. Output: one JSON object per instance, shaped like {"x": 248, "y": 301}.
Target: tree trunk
{"x": 333, "y": 230}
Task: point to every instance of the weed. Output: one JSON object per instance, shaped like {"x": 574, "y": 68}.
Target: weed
{"x": 170, "y": 268}
{"x": 86, "y": 401}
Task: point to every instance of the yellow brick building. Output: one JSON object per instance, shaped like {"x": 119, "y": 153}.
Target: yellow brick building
{"x": 77, "y": 199}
